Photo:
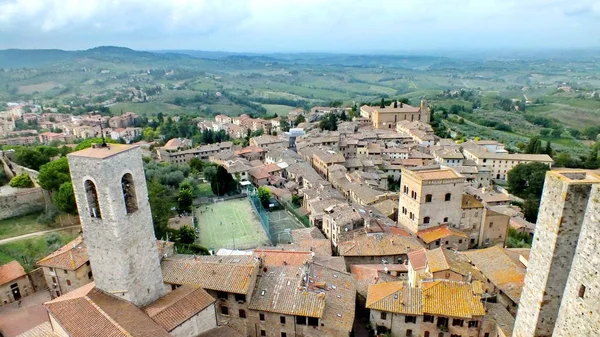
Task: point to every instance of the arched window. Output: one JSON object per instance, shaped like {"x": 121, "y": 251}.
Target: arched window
{"x": 91, "y": 195}
{"x": 428, "y": 198}
{"x": 129, "y": 193}
{"x": 448, "y": 197}
{"x": 426, "y": 219}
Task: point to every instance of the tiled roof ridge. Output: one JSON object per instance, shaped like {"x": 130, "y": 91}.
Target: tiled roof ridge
{"x": 107, "y": 316}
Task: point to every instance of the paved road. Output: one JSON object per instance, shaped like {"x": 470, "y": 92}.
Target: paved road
{"x": 31, "y": 235}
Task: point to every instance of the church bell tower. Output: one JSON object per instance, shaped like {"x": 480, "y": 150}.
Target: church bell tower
{"x": 112, "y": 200}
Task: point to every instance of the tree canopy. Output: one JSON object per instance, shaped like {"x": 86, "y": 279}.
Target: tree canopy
{"x": 54, "y": 174}
{"x": 64, "y": 198}
{"x": 21, "y": 181}
{"x": 527, "y": 180}
{"x": 222, "y": 182}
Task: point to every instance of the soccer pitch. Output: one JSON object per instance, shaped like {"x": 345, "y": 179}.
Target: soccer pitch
{"x": 230, "y": 224}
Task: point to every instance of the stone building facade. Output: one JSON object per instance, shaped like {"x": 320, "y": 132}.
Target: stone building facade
{"x": 14, "y": 283}
{"x": 560, "y": 296}
{"x": 429, "y": 198}
{"x": 112, "y": 200}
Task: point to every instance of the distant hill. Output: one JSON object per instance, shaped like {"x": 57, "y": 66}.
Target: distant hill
{"x": 32, "y": 58}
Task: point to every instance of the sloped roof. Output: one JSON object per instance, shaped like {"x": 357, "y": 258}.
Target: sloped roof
{"x": 89, "y": 312}
{"x": 449, "y": 298}
{"x": 178, "y": 306}
{"x": 281, "y": 290}
{"x": 10, "y": 272}
{"x": 278, "y": 258}
{"x": 232, "y": 274}
{"x": 378, "y": 245}
{"x": 436, "y": 261}
{"x": 445, "y": 298}
{"x": 70, "y": 256}
{"x": 500, "y": 269}
{"x": 439, "y": 232}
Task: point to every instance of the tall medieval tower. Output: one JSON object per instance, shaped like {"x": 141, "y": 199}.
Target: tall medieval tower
{"x": 425, "y": 112}
{"x": 562, "y": 286}
{"x": 112, "y": 200}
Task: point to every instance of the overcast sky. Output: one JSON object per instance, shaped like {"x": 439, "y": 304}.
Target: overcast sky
{"x": 300, "y": 25}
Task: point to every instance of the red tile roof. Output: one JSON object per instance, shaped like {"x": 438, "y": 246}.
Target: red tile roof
{"x": 178, "y": 306}
{"x": 69, "y": 257}
{"x": 10, "y": 272}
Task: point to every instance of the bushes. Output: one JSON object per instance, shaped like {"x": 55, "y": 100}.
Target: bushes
{"x": 21, "y": 181}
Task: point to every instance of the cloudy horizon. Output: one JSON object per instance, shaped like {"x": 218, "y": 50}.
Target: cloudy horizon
{"x": 347, "y": 26}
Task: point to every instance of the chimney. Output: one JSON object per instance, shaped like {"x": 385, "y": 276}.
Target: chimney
{"x": 395, "y": 104}
{"x": 401, "y": 104}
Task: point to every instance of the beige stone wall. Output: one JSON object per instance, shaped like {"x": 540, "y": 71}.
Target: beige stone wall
{"x": 580, "y": 310}
{"x": 563, "y": 211}
{"x": 399, "y": 327}
{"x": 494, "y": 230}
{"x": 119, "y": 238}
{"x": 24, "y": 286}
{"x": 66, "y": 280}
{"x": 437, "y": 210}
{"x": 452, "y": 242}
{"x": 199, "y": 323}
{"x": 21, "y": 202}
{"x": 470, "y": 223}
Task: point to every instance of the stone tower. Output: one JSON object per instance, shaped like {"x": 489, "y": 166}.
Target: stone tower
{"x": 562, "y": 286}
{"x": 112, "y": 200}
{"x": 425, "y": 112}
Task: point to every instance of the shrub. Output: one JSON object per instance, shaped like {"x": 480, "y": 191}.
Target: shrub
{"x": 21, "y": 181}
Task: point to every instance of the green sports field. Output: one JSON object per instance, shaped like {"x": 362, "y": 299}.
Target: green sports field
{"x": 230, "y": 224}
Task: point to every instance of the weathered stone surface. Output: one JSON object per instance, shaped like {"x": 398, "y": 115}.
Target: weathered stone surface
{"x": 121, "y": 246}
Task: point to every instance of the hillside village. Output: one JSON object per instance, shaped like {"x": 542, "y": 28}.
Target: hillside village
{"x": 406, "y": 235}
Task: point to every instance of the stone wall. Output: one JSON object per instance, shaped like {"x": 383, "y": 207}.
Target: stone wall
{"x": 579, "y": 313}
{"x": 199, "y": 323}
{"x": 21, "y": 202}
{"x": 37, "y": 279}
{"x": 560, "y": 221}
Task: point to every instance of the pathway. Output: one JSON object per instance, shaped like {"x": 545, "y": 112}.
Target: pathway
{"x": 31, "y": 235}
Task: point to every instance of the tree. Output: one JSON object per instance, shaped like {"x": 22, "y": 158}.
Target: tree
{"x": 591, "y": 161}
{"x": 531, "y": 208}
{"x": 299, "y": 119}
{"x": 185, "y": 199}
{"x": 54, "y": 174}
{"x": 88, "y": 143}
{"x": 30, "y": 157}
{"x": 64, "y": 198}
{"x": 382, "y": 105}
{"x": 222, "y": 182}
{"x": 264, "y": 195}
{"x": 21, "y": 181}
{"x": 196, "y": 165}
{"x": 210, "y": 171}
{"x": 328, "y": 122}
{"x": 534, "y": 146}
{"x": 548, "y": 150}
{"x": 160, "y": 205}
{"x": 527, "y": 180}
{"x": 187, "y": 235}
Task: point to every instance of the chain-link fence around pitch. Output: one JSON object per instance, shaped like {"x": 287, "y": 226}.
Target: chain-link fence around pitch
{"x": 260, "y": 211}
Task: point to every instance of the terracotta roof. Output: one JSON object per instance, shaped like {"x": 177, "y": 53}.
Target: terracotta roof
{"x": 437, "y": 174}
{"x": 439, "y": 232}
{"x": 436, "y": 261}
{"x": 445, "y": 298}
{"x": 102, "y": 152}
{"x": 469, "y": 201}
{"x": 279, "y": 258}
{"x": 89, "y": 312}
{"x": 307, "y": 233}
{"x": 378, "y": 245}
{"x": 27, "y": 322}
{"x": 418, "y": 259}
{"x": 178, "y": 306}
{"x": 500, "y": 269}
{"x": 232, "y": 274}
{"x": 398, "y": 298}
{"x": 69, "y": 257}
{"x": 449, "y": 298}
{"x": 498, "y": 314}
{"x": 11, "y": 271}
{"x": 281, "y": 290}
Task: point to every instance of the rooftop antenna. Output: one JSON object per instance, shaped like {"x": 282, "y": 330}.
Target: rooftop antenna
{"x": 102, "y": 134}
